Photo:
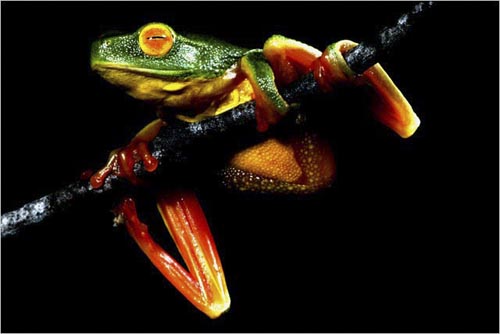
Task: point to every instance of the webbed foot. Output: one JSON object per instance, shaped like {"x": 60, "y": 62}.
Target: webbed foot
{"x": 202, "y": 282}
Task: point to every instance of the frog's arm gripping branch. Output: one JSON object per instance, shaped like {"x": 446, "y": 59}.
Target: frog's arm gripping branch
{"x": 174, "y": 146}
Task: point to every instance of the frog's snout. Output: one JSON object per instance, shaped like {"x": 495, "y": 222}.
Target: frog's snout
{"x": 96, "y": 52}
{"x": 113, "y": 50}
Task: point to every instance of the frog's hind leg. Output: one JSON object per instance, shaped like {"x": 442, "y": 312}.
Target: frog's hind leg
{"x": 121, "y": 161}
{"x": 301, "y": 164}
{"x": 389, "y": 106}
{"x": 203, "y": 283}
{"x": 290, "y": 59}
{"x": 280, "y": 62}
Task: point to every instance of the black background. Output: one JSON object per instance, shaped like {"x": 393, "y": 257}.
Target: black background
{"x": 406, "y": 240}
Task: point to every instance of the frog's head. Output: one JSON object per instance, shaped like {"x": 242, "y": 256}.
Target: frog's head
{"x": 144, "y": 61}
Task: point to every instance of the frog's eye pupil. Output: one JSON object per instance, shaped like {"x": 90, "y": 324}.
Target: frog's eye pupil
{"x": 156, "y": 40}
{"x": 157, "y": 37}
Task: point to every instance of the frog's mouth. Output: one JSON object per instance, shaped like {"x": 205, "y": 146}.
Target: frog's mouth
{"x": 176, "y": 89}
{"x": 143, "y": 84}
{"x": 169, "y": 75}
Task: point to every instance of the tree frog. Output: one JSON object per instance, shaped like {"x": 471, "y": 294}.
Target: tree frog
{"x": 194, "y": 77}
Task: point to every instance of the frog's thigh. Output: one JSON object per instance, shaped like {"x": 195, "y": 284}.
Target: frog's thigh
{"x": 302, "y": 164}
{"x": 289, "y": 58}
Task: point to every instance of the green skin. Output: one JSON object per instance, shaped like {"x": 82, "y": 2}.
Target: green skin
{"x": 203, "y": 62}
{"x": 190, "y": 57}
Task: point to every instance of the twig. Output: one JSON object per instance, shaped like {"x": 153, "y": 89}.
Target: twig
{"x": 176, "y": 144}
{"x": 368, "y": 53}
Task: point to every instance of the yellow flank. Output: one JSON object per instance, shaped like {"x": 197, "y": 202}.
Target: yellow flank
{"x": 316, "y": 159}
{"x": 242, "y": 93}
{"x": 175, "y": 86}
{"x": 140, "y": 86}
{"x": 219, "y": 94}
{"x": 271, "y": 158}
{"x": 304, "y": 164}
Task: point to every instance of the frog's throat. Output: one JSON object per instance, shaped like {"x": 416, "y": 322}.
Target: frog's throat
{"x": 165, "y": 74}
{"x": 177, "y": 91}
{"x": 142, "y": 84}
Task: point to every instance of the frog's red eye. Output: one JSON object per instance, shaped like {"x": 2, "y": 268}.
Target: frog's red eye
{"x": 156, "y": 39}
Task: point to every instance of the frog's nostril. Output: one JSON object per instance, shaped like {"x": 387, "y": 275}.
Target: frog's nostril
{"x": 95, "y": 52}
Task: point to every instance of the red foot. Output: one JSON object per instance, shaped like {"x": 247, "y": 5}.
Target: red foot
{"x": 121, "y": 163}
{"x": 86, "y": 174}
{"x": 202, "y": 282}
{"x": 389, "y": 105}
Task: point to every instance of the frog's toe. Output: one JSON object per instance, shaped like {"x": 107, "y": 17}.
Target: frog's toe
{"x": 202, "y": 281}
{"x": 121, "y": 163}
{"x": 389, "y": 106}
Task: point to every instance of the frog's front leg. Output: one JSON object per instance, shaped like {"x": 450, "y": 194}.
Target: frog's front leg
{"x": 269, "y": 104}
{"x": 121, "y": 161}
{"x": 291, "y": 59}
